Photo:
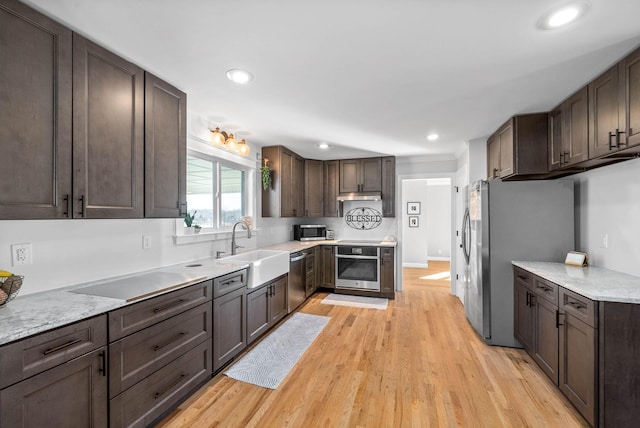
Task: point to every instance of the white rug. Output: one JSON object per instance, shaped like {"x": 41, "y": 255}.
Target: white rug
{"x": 356, "y": 301}
{"x": 269, "y": 363}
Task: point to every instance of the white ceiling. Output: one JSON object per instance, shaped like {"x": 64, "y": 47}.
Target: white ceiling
{"x": 373, "y": 75}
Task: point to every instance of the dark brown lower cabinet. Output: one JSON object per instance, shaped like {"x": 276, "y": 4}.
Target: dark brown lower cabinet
{"x": 229, "y": 328}
{"x": 545, "y": 344}
{"x": 265, "y": 307}
{"x": 524, "y": 317}
{"x": 146, "y": 401}
{"x": 578, "y": 377}
{"x": 387, "y": 272}
{"x": 73, "y": 394}
{"x": 328, "y": 266}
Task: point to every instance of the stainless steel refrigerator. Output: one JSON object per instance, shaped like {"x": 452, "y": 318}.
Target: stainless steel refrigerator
{"x": 522, "y": 220}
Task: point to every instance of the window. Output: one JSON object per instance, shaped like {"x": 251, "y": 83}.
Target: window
{"x": 218, "y": 190}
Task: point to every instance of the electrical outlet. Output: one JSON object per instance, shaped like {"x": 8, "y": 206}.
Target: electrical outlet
{"x": 21, "y": 254}
{"x": 604, "y": 240}
{"x": 146, "y": 242}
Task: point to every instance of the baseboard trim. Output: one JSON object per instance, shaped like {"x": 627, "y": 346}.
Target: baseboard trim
{"x": 439, "y": 259}
{"x": 415, "y": 265}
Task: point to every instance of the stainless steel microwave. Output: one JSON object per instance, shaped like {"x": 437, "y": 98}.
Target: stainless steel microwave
{"x": 309, "y": 232}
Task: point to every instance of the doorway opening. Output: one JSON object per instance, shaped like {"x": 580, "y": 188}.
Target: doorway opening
{"x": 427, "y": 230}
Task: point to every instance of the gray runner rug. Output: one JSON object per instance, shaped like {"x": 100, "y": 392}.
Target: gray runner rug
{"x": 269, "y": 363}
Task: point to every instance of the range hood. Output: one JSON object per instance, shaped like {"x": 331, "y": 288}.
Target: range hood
{"x": 360, "y": 196}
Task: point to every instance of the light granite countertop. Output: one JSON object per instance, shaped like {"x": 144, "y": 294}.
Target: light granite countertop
{"x": 593, "y": 282}
{"x": 36, "y": 313}
{"x": 295, "y": 246}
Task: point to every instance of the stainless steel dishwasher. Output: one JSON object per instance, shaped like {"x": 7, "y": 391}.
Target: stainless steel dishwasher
{"x": 297, "y": 280}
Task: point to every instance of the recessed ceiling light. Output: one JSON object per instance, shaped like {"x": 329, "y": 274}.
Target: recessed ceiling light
{"x": 239, "y": 76}
{"x": 323, "y": 146}
{"x": 563, "y": 15}
{"x": 432, "y": 137}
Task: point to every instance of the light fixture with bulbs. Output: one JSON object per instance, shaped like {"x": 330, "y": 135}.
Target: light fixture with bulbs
{"x": 228, "y": 142}
{"x": 563, "y": 15}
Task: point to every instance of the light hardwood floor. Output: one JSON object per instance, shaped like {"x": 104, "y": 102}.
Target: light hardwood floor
{"x": 417, "y": 364}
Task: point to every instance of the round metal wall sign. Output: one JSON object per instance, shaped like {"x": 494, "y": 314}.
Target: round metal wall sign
{"x": 363, "y": 218}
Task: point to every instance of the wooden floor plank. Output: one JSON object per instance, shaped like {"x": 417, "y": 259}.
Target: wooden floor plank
{"x": 417, "y": 364}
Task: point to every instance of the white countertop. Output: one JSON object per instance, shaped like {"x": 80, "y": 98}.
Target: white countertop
{"x": 35, "y": 313}
{"x": 294, "y": 246}
{"x": 593, "y": 282}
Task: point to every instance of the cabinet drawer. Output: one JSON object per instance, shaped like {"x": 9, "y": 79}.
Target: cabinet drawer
{"x": 33, "y": 355}
{"x": 144, "y": 402}
{"x": 546, "y": 289}
{"x": 228, "y": 283}
{"x": 137, "y": 356}
{"x": 579, "y": 306}
{"x": 523, "y": 277}
{"x": 130, "y": 319}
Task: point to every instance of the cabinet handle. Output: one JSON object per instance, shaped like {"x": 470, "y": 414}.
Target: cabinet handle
{"x": 522, "y": 276}
{"x": 103, "y": 363}
{"x": 566, "y": 157}
{"x": 618, "y": 142}
{"x": 561, "y": 158}
{"x": 611, "y": 146}
{"x": 67, "y": 202}
{"x": 545, "y": 289}
{"x": 558, "y": 319}
{"x": 183, "y": 208}
{"x": 169, "y": 388}
{"x": 495, "y": 173}
{"x": 169, "y": 342}
{"x": 83, "y": 206}
{"x": 576, "y": 304}
{"x": 61, "y": 347}
{"x": 528, "y": 300}
{"x": 169, "y": 306}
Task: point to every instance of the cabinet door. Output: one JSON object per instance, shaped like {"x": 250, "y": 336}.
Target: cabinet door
{"x": 328, "y": 266}
{"x": 387, "y": 272}
{"x": 506, "y": 150}
{"x": 389, "y": 186}
{"x": 258, "y": 315}
{"x": 35, "y": 107}
{"x": 331, "y": 190}
{"x": 493, "y": 157}
{"x": 229, "y": 328}
{"x": 371, "y": 175}
{"x": 278, "y": 299}
{"x": 577, "y": 370}
{"x": 165, "y": 149}
{"x": 524, "y": 317}
{"x": 545, "y": 347}
{"x": 313, "y": 189}
{"x": 108, "y": 134}
{"x": 555, "y": 139}
{"x": 629, "y": 96}
{"x": 286, "y": 183}
{"x": 603, "y": 113}
{"x": 349, "y": 175}
{"x": 310, "y": 273}
{"x": 576, "y": 128}
{"x": 73, "y": 394}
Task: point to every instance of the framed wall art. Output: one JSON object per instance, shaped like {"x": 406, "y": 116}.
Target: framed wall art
{"x": 414, "y": 221}
{"x": 413, "y": 208}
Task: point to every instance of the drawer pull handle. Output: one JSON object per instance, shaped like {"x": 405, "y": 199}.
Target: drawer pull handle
{"x": 169, "y": 306}
{"x": 169, "y": 388}
{"x": 545, "y": 289}
{"x": 522, "y": 276}
{"x": 169, "y": 342}
{"x": 61, "y": 347}
{"x": 103, "y": 363}
{"x": 577, "y": 305}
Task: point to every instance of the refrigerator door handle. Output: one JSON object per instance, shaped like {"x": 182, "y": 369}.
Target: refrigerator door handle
{"x": 466, "y": 235}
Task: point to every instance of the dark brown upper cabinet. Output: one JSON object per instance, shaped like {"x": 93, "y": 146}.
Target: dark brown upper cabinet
{"x": 569, "y": 131}
{"x": 313, "y": 188}
{"x": 331, "y": 190}
{"x": 518, "y": 149}
{"x": 35, "y": 107}
{"x": 389, "y": 186}
{"x": 285, "y": 195}
{"x": 361, "y": 175}
{"x": 614, "y": 109}
{"x": 165, "y": 148}
{"x": 108, "y": 134}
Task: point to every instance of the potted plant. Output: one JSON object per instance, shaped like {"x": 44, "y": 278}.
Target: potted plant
{"x": 188, "y": 221}
{"x": 197, "y": 228}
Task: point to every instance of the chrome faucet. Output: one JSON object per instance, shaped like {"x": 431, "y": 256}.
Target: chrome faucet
{"x": 233, "y": 236}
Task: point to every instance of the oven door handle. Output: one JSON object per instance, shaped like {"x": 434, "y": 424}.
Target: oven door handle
{"x": 344, "y": 256}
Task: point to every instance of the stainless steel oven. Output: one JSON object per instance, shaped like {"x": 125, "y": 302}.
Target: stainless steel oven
{"x": 358, "y": 267}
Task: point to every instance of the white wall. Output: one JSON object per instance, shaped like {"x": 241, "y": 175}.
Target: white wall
{"x": 415, "y": 245}
{"x": 608, "y": 202}
{"x": 438, "y": 220}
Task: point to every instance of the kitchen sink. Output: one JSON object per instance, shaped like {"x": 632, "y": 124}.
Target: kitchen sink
{"x": 264, "y": 265}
